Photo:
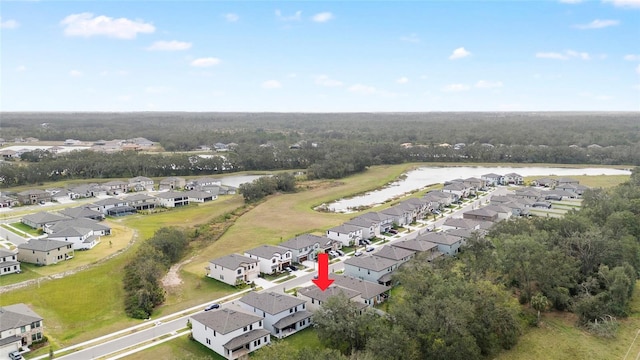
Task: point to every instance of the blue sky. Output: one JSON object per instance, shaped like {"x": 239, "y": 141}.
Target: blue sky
{"x": 320, "y": 56}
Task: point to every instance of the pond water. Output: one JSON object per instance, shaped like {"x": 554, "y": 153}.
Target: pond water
{"x": 425, "y": 176}
{"x": 237, "y": 180}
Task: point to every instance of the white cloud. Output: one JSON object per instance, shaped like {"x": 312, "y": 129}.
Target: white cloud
{"x": 624, "y": 3}
{"x": 271, "y": 84}
{"x": 597, "y": 24}
{"x": 636, "y": 87}
{"x": 638, "y": 69}
{"x": 87, "y": 25}
{"x": 296, "y": 17}
{"x": 231, "y": 17}
{"x": 21, "y": 68}
{"x": 459, "y": 53}
{"x": 456, "y": 88}
{"x": 322, "y": 17}
{"x": 75, "y": 73}
{"x": 483, "y": 84}
{"x": 632, "y": 57}
{"x": 9, "y": 24}
{"x": 172, "y": 45}
{"x": 362, "y": 89}
{"x": 205, "y": 62}
{"x": 292, "y": 75}
{"x": 324, "y": 80}
{"x": 571, "y": 1}
{"x": 402, "y": 80}
{"x": 568, "y": 54}
{"x": 413, "y": 38}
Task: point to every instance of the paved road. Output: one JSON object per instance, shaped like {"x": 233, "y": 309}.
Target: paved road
{"x": 134, "y": 337}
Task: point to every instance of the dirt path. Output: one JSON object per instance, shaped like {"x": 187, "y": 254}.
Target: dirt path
{"x": 173, "y": 278}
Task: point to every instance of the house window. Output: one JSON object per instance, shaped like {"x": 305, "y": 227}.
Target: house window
{"x": 221, "y": 277}
{"x": 251, "y": 327}
{"x": 273, "y": 261}
{"x": 290, "y": 310}
{"x": 239, "y": 271}
{"x": 23, "y": 329}
{"x": 265, "y": 339}
{"x": 245, "y": 328}
{"x": 260, "y": 323}
{"x": 208, "y": 341}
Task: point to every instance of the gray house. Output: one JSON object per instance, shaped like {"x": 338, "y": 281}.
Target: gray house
{"x": 283, "y": 314}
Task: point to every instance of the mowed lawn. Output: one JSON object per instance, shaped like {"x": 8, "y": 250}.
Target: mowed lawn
{"x": 559, "y": 338}
{"x": 178, "y": 348}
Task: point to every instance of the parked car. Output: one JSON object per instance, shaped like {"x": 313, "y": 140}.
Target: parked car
{"x": 370, "y": 248}
{"x": 293, "y": 268}
{"x": 340, "y": 252}
{"x": 14, "y": 355}
{"x": 393, "y": 231}
{"x": 212, "y": 306}
{"x": 333, "y": 253}
{"x": 434, "y": 211}
{"x": 288, "y": 269}
{"x": 358, "y": 253}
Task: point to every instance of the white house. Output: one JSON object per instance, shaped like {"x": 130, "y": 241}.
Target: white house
{"x": 105, "y": 204}
{"x": 347, "y": 234}
{"x": 304, "y": 247}
{"x": 370, "y": 228}
{"x": 81, "y": 238}
{"x": 371, "y": 293}
{"x": 371, "y": 268}
{"x": 9, "y": 263}
{"x": 385, "y": 222}
{"x": 283, "y": 314}
{"x": 200, "y": 196}
{"x": 492, "y": 179}
{"x": 141, "y": 183}
{"x": 512, "y": 178}
{"x": 171, "y": 199}
{"x": 230, "y": 333}
{"x": 19, "y": 327}
{"x": 233, "y": 269}
{"x": 271, "y": 259}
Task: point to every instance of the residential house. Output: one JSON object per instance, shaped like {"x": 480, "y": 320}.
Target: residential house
{"x": 121, "y": 211}
{"x": 140, "y": 141}
{"x": 140, "y": 183}
{"x": 171, "y": 199}
{"x": 503, "y": 212}
{"x": 9, "y": 154}
{"x": 116, "y": 187}
{"x": 576, "y": 189}
{"x": 283, "y": 314}
{"x": 371, "y": 268}
{"x": 475, "y": 184}
{"x": 87, "y": 190}
{"x": 481, "y": 214}
{"x": 200, "y": 196}
{"x": 20, "y": 327}
{"x": 558, "y": 195}
{"x": 447, "y": 244}
{"x": 441, "y": 198}
{"x": 80, "y": 238}
{"x": 271, "y": 259}
{"x": 316, "y": 297}
{"x": 544, "y": 182}
{"x": 45, "y": 252}
{"x": 226, "y": 190}
{"x": 232, "y": 334}
{"x": 466, "y": 234}
{"x": 460, "y": 223}
{"x": 395, "y": 253}
{"x": 460, "y": 190}
{"x": 512, "y": 179}
{"x": 420, "y": 207}
{"x": 172, "y": 183}
{"x": 33, "y": 196}
{"x": 9, "y": 263}
{"x": 564, "y": 180}
{"x": 82, "y": 212}
{"x": 98, "y": 228}
{"x": 346, "y": 234}
{"x": 528, "y": 193}
{"x": 385, "y": 222}
{"x": 234, "y": 269}
{"x": 492, "y": 179}
{"x": 8, "y": 202}
{"x": 371, "y": 293}
{"x": 105, "y": 204}
{"x": 201, "y": 184}
{"x": 420, "y": 246}
{"x": 60, "y": 195}
{"x": 305, "y": 247}
{"x": 400, "y": 214}
{"x": 370, "y": 228}
{"x": 141, "y": 202}
{"x": 40, "y": 219}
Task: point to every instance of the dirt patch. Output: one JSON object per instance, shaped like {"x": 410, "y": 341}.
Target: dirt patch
{"x": 172, "y": 278}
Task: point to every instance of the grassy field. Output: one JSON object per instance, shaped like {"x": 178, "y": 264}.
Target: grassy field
{"x": 178, "y": 348}
{"x": 559, "y": 338}
{"x": 23, "y": 228}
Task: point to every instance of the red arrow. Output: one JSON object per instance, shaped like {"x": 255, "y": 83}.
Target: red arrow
{"x": 323, "y": 280}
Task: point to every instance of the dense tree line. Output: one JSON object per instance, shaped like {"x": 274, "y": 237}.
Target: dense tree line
{"x": 267, "y": 185}
{"x": 142, "y": 275}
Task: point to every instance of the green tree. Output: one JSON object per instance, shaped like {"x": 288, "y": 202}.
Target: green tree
{"x": 539, "y": 302}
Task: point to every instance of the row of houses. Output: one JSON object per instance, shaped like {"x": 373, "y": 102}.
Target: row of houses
{"x": 117, "y": 187}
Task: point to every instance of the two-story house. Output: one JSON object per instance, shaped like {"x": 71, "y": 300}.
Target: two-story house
{"x": 492, "y": 179}
{"x": 427, "y": 249}
{"x": 9, "y": 263}
{"x": 116, "y": 187}
{"x": 447, "y": 244}
{"x": 141, "y": 183}
{"x": 283, "y": 314}
{"x": 82, "y": 212}
{"x": 171, "y": 199}
{"x": 512, "y": 179}
{"x": 385, "y": 222}
{"x": 371, "y": 268}
{"x": 316, "y": 297}
{"x": 104, "y": 205}
{"x": 45, "y": 252}
{"x": 19, "y": 327}
{"x": 271, "y": 259}
{"x": 172, "y": 183}
{"x": 80, "y": 238}
{"x": 33, "y": 196}
{"x": 141, "y": 202}
{"x": 230, "y": 333}
{"x": 233, "y": 269}
{"x": 371, "y": 293}
{"x": 304, "y": 247}
{"x": 348, "y": 235}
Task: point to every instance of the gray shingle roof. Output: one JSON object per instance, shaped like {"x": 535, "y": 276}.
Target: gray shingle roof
{"x": 315, "y": 293}
{"x": 198, "y": 194}
{"x": 415, "y": 245}
{"x": 374, "y": 263}
{"x": 43, "y": 245}
{"x": 271, "y": 303}
{"x": 44, "y": 217}
{"x": 172, "y": 195}
{"x": 80, "y": 212}
{"x": 440, "y": 238}
{"x": 109, "y": 201}
{"x": 138, "y": 197}
{"x": 303, "y": 241}
{"x": 81, "y": 223}
{"x": 345, "y": 229}
{"x": 246, "y": 338}
{"x": 460, "y": 223}
{"x": 292, "y": 319}
{"x": 233, "y": 261}
{"x": 366, "y": 289}
{"x": 225, "y": 321}
{"x": 376, "y": 216}
{"x": 17, "y": 315}
{"x": 394, "y": 253}
{"x": 70, "y": 232}
{"x": 481, "y": 212}
{"x": 266, "y": 251}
